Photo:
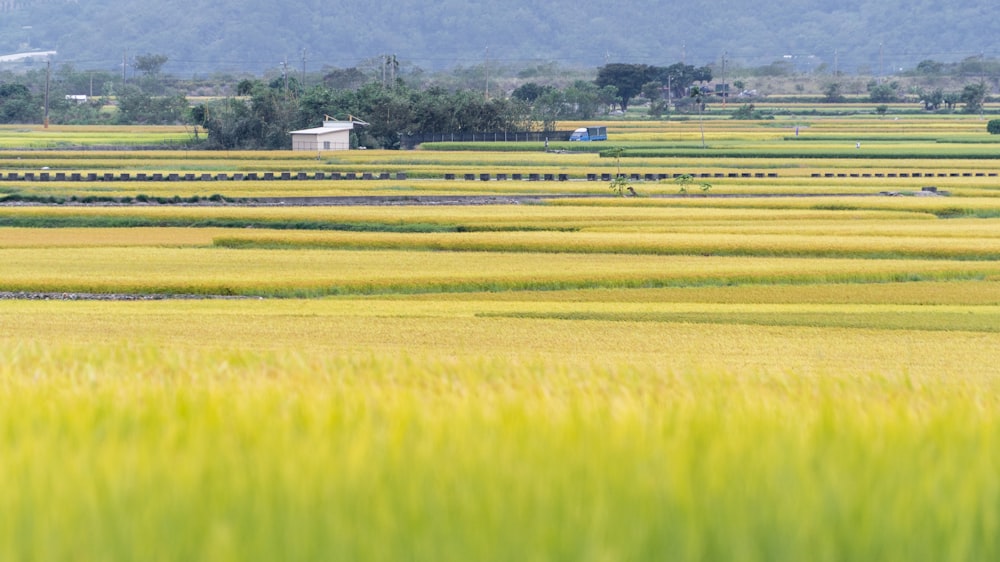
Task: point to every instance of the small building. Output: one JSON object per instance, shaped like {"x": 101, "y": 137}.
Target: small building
{"x": 333, "y": 135}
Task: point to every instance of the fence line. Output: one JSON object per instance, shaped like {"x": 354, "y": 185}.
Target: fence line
{"x": 411, "y": 141}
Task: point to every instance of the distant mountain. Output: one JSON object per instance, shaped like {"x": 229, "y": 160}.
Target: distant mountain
{"x": 255, "y": 35}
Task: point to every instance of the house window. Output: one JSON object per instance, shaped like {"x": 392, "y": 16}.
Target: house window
{"x": 326, "y": 145}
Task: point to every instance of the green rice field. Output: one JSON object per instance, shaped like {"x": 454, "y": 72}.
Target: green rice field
{"x": 773, "y": 368}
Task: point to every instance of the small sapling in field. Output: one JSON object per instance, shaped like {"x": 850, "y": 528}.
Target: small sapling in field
{"x": 686, "y": 181}
{"x": 622, "y": 185}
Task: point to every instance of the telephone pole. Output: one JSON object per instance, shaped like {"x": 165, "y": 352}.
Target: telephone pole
{"x": 725, "y": 87}
{"x": 284, "y": 72}
{"x": 48, "y": 69}
{"x": 880, "y": 62}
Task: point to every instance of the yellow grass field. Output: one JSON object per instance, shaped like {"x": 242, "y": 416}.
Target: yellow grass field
{"x": 762, "y": 375}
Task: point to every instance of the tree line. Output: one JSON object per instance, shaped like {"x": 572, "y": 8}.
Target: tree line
{"x": 263, "y": 112}
{"x": 259, "y": 112}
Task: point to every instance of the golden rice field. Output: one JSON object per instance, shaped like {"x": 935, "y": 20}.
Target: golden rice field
{"x": 54, "y": 136}
{"x": 779, "y": 377}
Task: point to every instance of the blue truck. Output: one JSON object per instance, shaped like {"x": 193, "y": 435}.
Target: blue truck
{"x": 589, "y": 134}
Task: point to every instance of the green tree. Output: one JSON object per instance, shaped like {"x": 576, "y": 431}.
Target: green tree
{"x": 930, "y": 67}
{"x": 149, "y": 64}
{"x": 973, "y": 96}
{"x": 69, "y": 80}
{"x": 18, "y": 105}
{"x": 229, "y": 123}
{"x": 585, "y": 99}
{"x": 833, "y": 93}
{"x": 549, "y": 107}
{"x": 933, "y": 99}
{"x": 746, "y": 112}
{"x": 433, "y": 112}
{"x": 679, "y": 77}
{"x": 882, "y": 93}
{"x": 653, "y": 91}
{"x": 627, "y": 78}
{"x": 260, "y": 122}
{"x": 345, "y": 78}
{"x": 529, "y": 91}
{"x": 951, "y": 99}
{"x": 136, "y": 107}
{"x": 607, "y": 96}
{"x": 993, "y": 127}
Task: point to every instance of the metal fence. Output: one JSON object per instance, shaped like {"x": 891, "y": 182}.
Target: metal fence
{"x": 411, "y": 141}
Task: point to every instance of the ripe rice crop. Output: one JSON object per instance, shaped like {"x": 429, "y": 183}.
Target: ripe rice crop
{"x": 967, "y": 292}
{"x": 985, "y": 207}
{"x": 18, "y": 136}
{"x": 605, "y": 217}
{"x": 300, "y": 430}
{"x": 328, "y": 272}
{"x": 598, "y": 378}
{"x": 723, "y": 243}
{"x": 102, "y": 237}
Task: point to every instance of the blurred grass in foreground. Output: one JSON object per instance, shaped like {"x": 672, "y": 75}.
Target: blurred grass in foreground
{"x": 144, "y": 451}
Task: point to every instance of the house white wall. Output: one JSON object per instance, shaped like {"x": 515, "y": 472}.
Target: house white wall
{"x": 321, "y": 141}
{"x": 333, "y": 135}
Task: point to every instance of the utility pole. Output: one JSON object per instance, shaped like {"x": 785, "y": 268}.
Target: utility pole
{"x": 48, "y": 69}
{"x": 670, "y": 91}
{"x": 880, "y": 74}
{"x": 836, "y": 61}
{"x": 725, "y": 87}
{"x": 487, "y": 72}
{"x": 982, "y": 82}
{"x": 124, "y": 66}
{"x": 303, "y": 68}
{"x": 284, "y": 72}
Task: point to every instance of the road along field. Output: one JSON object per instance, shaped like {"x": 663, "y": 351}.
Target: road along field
{"x": 585, "y": 378}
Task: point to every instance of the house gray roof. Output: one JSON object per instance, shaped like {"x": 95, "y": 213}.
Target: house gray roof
{"x": 328, "y": 127}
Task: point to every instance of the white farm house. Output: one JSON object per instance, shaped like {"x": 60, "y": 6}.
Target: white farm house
{"x": 333, "y": 135}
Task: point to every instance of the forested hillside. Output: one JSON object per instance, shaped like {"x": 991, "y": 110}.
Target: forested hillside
{"x": 254, "y": 35}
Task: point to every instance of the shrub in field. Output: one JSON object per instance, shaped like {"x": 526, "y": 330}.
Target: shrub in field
{"x": 621, "y": 184}
{"x": 993, "y": 127}
{"x": 686, "y": 180}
